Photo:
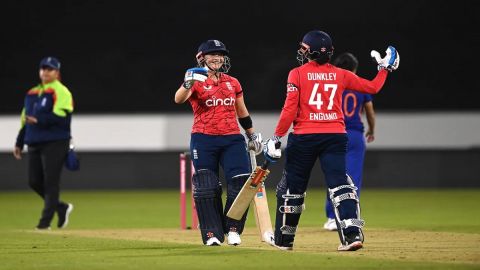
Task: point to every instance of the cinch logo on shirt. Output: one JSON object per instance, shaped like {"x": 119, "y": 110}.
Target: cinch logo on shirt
{"x": 230, "y": 101}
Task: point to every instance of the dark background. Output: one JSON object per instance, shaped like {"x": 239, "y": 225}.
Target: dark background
{"x": 131, "y": 57}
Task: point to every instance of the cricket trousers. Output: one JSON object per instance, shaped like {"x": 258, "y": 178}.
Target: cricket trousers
{"x": 209, "y": 152}
{"x": 354, "y": 165}
{"x": 45, "y": 163}
{"x": 301, "y": 153}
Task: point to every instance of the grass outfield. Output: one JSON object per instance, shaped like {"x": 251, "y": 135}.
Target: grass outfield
{"x": 406, "y": 229}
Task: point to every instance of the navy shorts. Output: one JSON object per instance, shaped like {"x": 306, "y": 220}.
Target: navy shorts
{"x": 228, "y": 151}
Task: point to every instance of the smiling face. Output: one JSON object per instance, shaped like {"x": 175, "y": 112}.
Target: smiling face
{"x": 214, "y": 60}
{"x": 48, "y": 74}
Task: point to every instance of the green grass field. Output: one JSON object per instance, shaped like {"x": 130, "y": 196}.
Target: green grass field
{"x": 406, "y": 229}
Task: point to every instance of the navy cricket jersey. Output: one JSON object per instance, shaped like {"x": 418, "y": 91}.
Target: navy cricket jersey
{"x": 353, "y": 103}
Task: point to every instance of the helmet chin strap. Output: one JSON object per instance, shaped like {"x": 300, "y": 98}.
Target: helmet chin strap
{"x": 215, "y": 71}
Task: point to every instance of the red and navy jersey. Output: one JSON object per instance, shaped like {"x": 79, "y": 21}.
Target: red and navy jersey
{"x": 353, "y": 104}
{"x": 213, "y": 105}
{"x": 314, "y": 98}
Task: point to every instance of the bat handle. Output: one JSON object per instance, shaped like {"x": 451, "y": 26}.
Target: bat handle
{"x": 265, "y": 164}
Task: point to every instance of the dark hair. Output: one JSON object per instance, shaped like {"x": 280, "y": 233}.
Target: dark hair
{"x": 346, "y": 61}
{"x": 320, "y": 58}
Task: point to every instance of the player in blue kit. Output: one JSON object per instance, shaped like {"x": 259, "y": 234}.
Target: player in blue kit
{"x": 354, "y": 103}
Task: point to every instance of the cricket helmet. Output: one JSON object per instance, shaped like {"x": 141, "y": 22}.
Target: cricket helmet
{"x": 316, "y": 45}
{"x": 213, "y": 46}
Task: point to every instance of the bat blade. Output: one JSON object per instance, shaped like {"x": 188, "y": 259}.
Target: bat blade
{"x": 262, "y": 214}
{"x": 247, "y": 193}
{"x": 260, "y": 206}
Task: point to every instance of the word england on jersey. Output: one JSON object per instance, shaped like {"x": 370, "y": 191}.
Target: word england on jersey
{"x": 323, "y": 116}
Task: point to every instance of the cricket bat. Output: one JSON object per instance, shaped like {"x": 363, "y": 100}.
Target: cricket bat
{"x": 248, "y": 191}
{"x": 260, "y": 205}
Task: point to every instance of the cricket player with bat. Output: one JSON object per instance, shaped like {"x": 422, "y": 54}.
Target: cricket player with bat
{"x": 314, "y": 106}
{"x": 217, "y": 101}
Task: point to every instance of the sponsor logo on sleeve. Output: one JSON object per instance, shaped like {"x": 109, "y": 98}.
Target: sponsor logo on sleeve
{"x": 291, "y": 87}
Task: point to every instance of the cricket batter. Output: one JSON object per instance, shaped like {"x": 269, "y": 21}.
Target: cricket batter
{"x": 314, "y": 106}
{"x": 217, "y": 101}
{"x": 354, "y": 103}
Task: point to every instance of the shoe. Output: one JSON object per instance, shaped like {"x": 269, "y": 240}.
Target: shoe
{"x": 285, "y": 248}
{"x": 63, "y": 216}
{"x": 233, "y": 239}
{"x": 285, "y": 242}
{"x": 43, "y": 228}
{"x": 213, "y": 241}
{"x": 354, "y": 241}
{"x": 269, "y": 238}
{"x": 330, "y": 225}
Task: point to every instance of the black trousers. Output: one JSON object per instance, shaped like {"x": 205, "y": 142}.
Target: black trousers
{"x": 45, "y": 163}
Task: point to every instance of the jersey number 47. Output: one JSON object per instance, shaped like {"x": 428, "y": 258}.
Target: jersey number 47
{"x": 316, "y": 96}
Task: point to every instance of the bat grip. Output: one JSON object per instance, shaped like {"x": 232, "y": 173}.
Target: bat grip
{"x": 265, "y": 164}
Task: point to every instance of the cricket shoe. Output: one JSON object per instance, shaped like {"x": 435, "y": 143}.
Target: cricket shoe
{"x": 286, "y": 245}
{"x": 41, "y": 227}
{"x": 330, "y": 225}
{"x": 63, "y": 215}
{"x": 284, "y": 248}
{"x": 269, "y": 238}
{"x": 233, "y": 239}
{"x": 213, "y": 241}
{"x": 354, "y": 241}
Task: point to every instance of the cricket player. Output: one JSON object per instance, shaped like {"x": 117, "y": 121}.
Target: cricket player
{"x": 217, "y": 101}
{"x": 354, "y": 103}
{"x": 314, "y": 106}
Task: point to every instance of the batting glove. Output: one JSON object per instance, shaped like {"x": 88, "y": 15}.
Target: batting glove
{"x": 271, "y": 149}
{"x": 255, "y": 142}
{"x": 390, "y": 62}
{"x": 194, "y": 74}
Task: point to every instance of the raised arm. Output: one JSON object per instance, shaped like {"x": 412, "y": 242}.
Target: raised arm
{"x": 182, "y": 95}
{"x": 191, "y": 75}
{"x": 389, "y": 63}
{"x": 356, "y": 83}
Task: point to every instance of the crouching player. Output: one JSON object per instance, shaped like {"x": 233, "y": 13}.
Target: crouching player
{"x": 217, "y": 100}
{"x": 313, "y": 104}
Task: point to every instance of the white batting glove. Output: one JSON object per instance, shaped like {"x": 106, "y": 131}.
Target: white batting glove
{"x": 255, "y": 142}
{"x": 271, "y": 149}
{"x": 194, "y": 74}
{"x": 390, "y": 62}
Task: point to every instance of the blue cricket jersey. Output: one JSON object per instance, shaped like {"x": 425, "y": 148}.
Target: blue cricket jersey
{"x": 352, "y": 109}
